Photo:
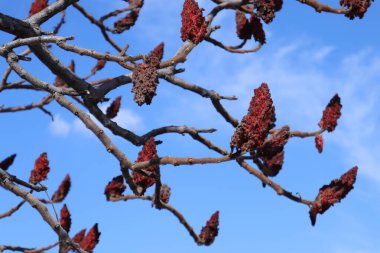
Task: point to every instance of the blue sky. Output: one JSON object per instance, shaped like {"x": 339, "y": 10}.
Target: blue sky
{"x": 307, "y": 59}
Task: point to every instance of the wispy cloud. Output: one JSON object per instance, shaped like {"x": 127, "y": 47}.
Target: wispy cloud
{"x": 59, "y": 126}
{"x": 125, "y": 118}
{"x": 303, "y": 79}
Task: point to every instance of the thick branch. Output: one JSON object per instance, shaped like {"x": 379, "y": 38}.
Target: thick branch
{"x": 177, "y": 161}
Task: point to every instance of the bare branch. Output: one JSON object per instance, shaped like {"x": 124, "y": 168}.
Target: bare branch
{"x": 276, "y": 187}
{"x": 12, "y": 211}
{"x": 232, "y": 49}
{"x": 319, "y": 7}
{"x": 46, "y": 100}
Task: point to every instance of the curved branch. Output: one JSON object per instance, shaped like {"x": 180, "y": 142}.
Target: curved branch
{"x": 233, "y": 49}
{"x": 215, "y": 97}
{"x": 276, "y": 187}
{"x": 168, "y": 207}
{"x": 319, "y": 7}
{"x": 301, "y": 134}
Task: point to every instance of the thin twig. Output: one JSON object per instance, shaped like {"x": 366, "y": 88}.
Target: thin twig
{"x": 232, "y": 49}
{"x": 12, "y": 210}
{"x": 276, "y": 187}
{"x": 98, "y": 24}
{"x": 46, "y": 100}
{"x": 171, "y": 209}
{"x": 319, "y": 7}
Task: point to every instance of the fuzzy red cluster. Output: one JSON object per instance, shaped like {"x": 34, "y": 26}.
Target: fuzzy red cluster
{"x": 100, "y": 64}
{"x": 78, "y": 237}
{"x": 61, "y": 193}
{"x": 126, "y": 22}
{"x": 257, "y": 29}
{"x": 40, "y": 170}
{"x": 193, "y": 23}
{"x": 210, "y": 231}
{"x": 89, "y": 242}
{"x": 147, "y": 153}
{"x": 319, "y": 143}
{"x": 357, "y": 7}
{"x": 333, "y": 193}
{"x": 266, "y": 9}
{"x": 130, "y": 19}
{"x": 58, "y": 81}
{"x": 115, "y": 187}
{"x": 165, "y": 193}
{"x": 114, "y": 108}
{"x": 245, "y": 29}
{"x": 145, "y": 78}
{"x": 7, "y": 162}
{"x": 37, "y": 6}
{"x": 331, "y": 114}
{"x": 65, "y": 218}
{"x": 254, "y": 127}
{"x": 272, "y": 152}
{"x": 157, "y": 53}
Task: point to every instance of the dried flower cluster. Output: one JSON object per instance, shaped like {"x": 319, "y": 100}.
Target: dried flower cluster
{"x": 319, "y": 143}
{"x": 246, "y": 29}
{"x": 40, "y": 170}
{"x": 331, "y": 114}
{"x": 357, "y": 7}
{"x": 130, "y": 19}
{"x": 89, "y": 242}
{"x": 157, "y": 54}
{"x": 7, "y": 162}
{"x": 147, "y": 153}
{"x": 257, "y": 29}
{"x": 98, "y": 66}
{"x": 65, "y": 218}
{"x": 114, "y": 108}
{"x": 37, "y": 6}
{"x": 243, "y": 27}
{"x": 78, "y": 237}
{"x": 165, "y": 193}
{"x": 145, "y": 78}
{"x": 193, "y": 23}
{"x": 254, "y": 127}
{"x": 115, "y": 187}
{"x": 210, "y": 231}
{"x": 266, "y": 9}
{"x": 272, "y": 152}
{"x": 61, "y": 193}
{"x": 333, "y": 193}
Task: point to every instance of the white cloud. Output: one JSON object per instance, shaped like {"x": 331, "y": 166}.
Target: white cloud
{"x": 128, "y": 119}
{"x": 302, "y": 86}
{"x": 125, "y": 118}
{"x": 59, "y": 126}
